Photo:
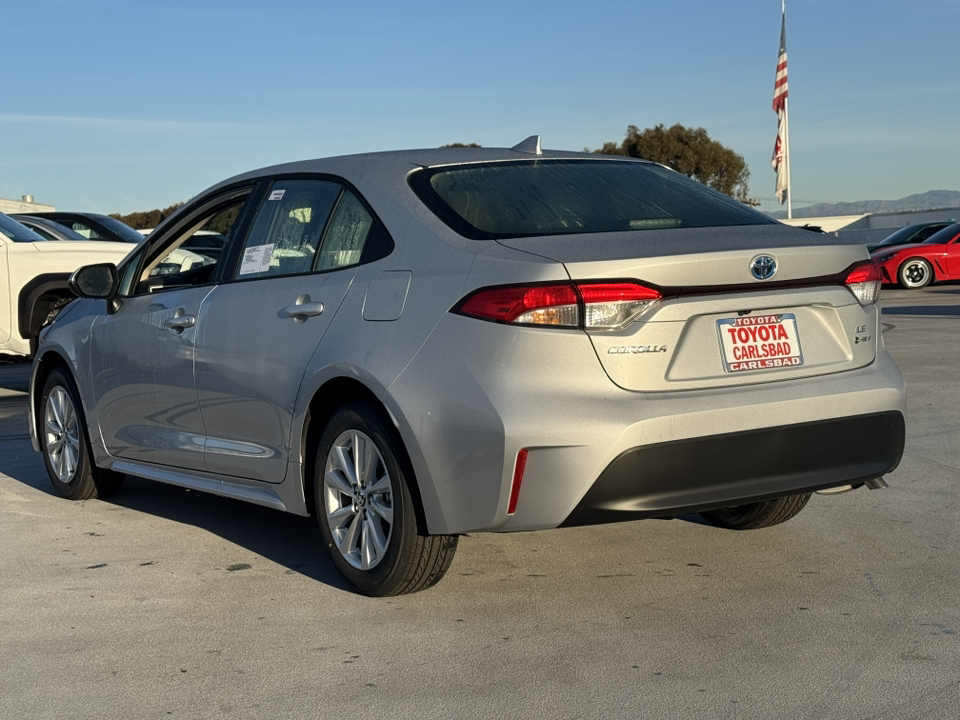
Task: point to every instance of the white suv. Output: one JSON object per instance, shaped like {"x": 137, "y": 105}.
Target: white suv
{"x": 33, "y": 280}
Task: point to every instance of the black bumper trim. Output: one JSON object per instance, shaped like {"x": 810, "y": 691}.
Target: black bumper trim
{"x": 684, "y": 476}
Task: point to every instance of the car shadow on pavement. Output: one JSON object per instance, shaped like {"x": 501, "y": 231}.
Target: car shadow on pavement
{"x": 291, "y": 541}
{"x": 288, "y": 540}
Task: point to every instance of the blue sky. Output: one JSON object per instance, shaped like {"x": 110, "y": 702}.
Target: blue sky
{"x": 117, "y": 106}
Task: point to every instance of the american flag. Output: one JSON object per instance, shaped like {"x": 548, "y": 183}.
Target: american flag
{"x": 780, "y": 108}
{"x": 780, "y": 84}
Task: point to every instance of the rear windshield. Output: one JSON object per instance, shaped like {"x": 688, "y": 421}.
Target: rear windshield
{"x": 489, "y": 201}
{"x": 17, "y": 232}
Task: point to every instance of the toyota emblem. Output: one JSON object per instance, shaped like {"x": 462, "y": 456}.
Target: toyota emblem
{"x": 763, "y": 267}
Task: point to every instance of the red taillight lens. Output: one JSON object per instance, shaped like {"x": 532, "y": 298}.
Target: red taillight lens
{"x": 616, "y": 292}
{"x": 595, "y": 306}
{"x": 864, "y": 272}
{"x": 528, "y": 304}
{"x": 864, "y": 281}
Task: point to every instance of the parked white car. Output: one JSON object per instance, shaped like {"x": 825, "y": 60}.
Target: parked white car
{"x": 33, "y": 280}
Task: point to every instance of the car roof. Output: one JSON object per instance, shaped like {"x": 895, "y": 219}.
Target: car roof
{"x": 932, "y": 222}
{"x": 401, "y": 162}
{"x": 67, "y": 214}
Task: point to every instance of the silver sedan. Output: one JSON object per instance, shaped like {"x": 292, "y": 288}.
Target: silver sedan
{"x": 419, "y": 344}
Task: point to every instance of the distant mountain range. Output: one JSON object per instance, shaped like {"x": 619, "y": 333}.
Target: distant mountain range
{"x": 930, "y": 200}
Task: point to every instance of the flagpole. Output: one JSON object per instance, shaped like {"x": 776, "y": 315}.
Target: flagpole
{"x": 781, "y": 149}
{"x": 786, "y": 132}
{"x": 786, "y": 155}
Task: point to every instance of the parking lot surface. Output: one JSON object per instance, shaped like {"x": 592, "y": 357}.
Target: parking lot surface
{"x": 165, "y": 603}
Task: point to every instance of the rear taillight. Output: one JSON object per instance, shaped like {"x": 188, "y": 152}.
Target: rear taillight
{"x": 864, "y": 281}
{"x": 612, "y": 306}
{"x": 524, "y": 304}
{"x": 592, "y": 306}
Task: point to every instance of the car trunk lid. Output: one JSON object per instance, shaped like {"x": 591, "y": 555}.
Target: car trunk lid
{"x": 717, "y": 324}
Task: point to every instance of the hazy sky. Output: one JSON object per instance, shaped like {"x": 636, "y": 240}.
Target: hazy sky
{"x": 117, "y": 106}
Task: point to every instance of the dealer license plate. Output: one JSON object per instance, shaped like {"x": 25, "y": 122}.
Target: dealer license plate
{"x": 759, "y": 342}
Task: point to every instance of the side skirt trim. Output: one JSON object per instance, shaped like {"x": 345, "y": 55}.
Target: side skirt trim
{"x": 225, "y": 488}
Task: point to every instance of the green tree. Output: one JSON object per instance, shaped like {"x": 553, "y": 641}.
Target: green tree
{"x": 461, "y": 145}
{"x": 146, "y": 220}
{"x": 689, "y": 151}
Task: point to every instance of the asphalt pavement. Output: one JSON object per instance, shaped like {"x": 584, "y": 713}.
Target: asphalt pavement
{"x": 165, "y": 603}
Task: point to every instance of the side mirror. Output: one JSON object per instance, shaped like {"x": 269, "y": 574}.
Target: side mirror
{"x": 99, "y": 282}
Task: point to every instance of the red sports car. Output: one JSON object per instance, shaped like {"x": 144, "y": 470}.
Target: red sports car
{"x": 914, "y": 266}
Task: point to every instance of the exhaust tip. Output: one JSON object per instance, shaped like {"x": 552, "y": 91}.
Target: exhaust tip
{"x": 874, "y": 484}
{"x": 837, "y": 490}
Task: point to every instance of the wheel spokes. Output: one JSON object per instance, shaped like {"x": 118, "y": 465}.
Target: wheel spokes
{"x": 343, "y": 462}
{"x": 366, "y": 455}
{"x": 348, "y": 544}
{"x": 61, "y": 434}
{"x": 374, "y": 542}
{"x": 358, "y": 499}
{"x": 336, "y": 481}
{"x": 383, "y": 508}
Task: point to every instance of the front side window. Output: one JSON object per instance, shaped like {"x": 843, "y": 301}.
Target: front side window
{"x": 489, "y": 201}
{"x": 192, "y": 257}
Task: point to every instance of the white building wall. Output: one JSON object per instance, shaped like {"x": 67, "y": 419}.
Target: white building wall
{"x": 23, "y": 206}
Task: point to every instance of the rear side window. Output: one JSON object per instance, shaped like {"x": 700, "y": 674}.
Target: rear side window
{"x": 943, "y": 236}
{"x": 344, "y": 239}
{"x": 489, "y": 201}
{"x": 928, "y": 231}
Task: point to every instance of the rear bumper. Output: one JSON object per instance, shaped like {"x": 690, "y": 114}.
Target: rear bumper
{"x": 697, "y": 474}
{"x": 556, "y": 403}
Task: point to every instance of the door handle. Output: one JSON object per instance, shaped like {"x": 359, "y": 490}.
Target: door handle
{"x": 179, "y": 323}
{"x": 303, "y": 308}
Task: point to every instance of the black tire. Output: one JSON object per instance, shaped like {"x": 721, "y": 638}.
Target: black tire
{"x": 65, "y": 444}
{"x": 370, "y": 520}
{"x": 915, "y": 273}
{"x": 759, "y": 514}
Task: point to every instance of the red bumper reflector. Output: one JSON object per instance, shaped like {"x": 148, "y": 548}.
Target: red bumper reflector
{"x": 517, "y": 479}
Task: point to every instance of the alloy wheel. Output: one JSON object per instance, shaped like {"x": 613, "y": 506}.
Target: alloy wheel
{"x": 915, "y": 274}
{"x": 358, "y": 499}
{"x": 61, "y": 434}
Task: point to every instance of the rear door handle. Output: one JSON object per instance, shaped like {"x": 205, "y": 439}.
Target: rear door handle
{"x": 303, "y": 308}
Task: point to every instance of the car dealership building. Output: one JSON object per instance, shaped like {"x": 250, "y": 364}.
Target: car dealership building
{"x": 24, "y": 205}
{"x": 871, "y": 228}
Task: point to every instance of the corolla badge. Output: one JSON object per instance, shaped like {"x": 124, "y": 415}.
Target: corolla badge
{"x": 763, "y": 267}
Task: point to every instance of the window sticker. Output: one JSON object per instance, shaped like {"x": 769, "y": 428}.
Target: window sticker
{"x": 256, "y": 259}
{"x": 276, "y": 195}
